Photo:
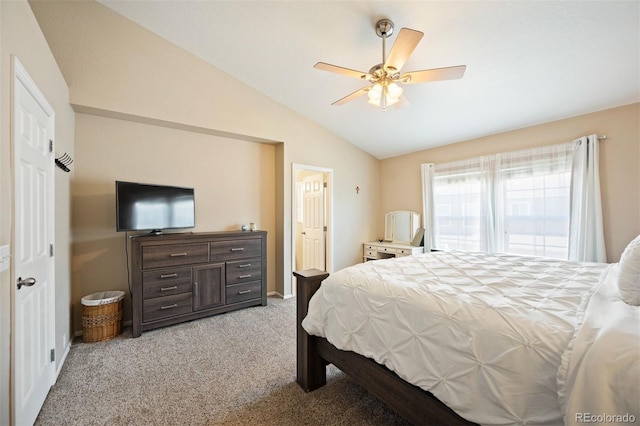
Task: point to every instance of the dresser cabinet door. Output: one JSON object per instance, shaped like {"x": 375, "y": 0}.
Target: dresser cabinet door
{"x": 208, "y": 286}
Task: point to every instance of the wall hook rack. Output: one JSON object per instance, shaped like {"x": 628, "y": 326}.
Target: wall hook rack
{"x": 63, "y": 161}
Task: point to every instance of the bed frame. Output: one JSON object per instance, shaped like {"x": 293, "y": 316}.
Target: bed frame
{"x": 315, "y": 353}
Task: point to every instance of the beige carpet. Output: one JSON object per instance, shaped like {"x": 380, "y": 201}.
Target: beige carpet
{"x": 233, "y": 369}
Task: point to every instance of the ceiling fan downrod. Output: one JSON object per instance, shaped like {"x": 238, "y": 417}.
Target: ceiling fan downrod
{"x": 380, "y": 92}
{"x": 384, "y": 29}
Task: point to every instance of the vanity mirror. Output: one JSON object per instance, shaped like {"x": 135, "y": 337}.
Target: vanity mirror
{"x": 400, "y": 226}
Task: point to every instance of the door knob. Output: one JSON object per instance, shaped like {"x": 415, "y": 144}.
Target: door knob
{"x": 28, "y": 282}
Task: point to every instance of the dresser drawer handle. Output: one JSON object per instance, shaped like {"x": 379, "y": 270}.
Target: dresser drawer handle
{"x": 175, "y": 305}
{"x": 244, "y": 291}
{"x": 177, "y": 254}
{"x": 175, "y": 287}
{"x": 246, "y": 265}
{"x": 162, "y": 276}
{"x": 237, "y": 249}
{"x": 244, "y": 276}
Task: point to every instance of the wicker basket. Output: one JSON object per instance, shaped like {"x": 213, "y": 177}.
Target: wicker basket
{"x": 102, "y": 316}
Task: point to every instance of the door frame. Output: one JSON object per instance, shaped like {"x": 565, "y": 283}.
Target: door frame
{"x": 21, "y": 76}
{"x": 295, "y": 167}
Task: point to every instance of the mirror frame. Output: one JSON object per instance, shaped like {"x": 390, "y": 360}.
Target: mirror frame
{"x": 390, "y": 223}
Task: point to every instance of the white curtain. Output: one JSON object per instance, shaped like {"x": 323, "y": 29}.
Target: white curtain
{"x": 532, "y": 201}
{"x": 586, "y": 234}
{"x": 513, "y": 202}
{"x": 427, "y": 204}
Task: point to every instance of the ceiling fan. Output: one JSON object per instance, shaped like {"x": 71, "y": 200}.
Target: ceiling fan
{"x": 384, "y": 77}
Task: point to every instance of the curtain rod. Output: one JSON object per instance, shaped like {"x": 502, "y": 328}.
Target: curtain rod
{"x": 602, "y": 138}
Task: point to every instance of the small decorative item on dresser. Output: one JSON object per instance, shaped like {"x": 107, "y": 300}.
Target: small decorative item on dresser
{"x": 252, "y": 226}
{"x": 245, "y": 227}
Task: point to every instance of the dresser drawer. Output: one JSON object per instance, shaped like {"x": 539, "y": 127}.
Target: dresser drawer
{"x": 370, "y": 253}
{"x": 165, "y": 282}
{"x": 242, "y": 292}
{"x": 385, "y": 249}
{"x": 409, "y": 251}
{"x": 174, "y": 255}
{"x": 238, "y": 249}
{"x": 239, "y": 271}
{"x": 370, "y": 247}
{"x": 165, "y": 307}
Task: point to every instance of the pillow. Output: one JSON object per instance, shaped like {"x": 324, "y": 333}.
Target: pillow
{"x": 629, "y": 277}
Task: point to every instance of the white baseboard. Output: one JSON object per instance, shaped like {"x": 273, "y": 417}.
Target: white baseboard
{"x": 275, "y": 293}
{"x": 67, "y": 349}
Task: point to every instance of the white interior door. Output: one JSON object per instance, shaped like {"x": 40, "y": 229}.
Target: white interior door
{"x": 33, "y": 316}
{"x": 313, "y": 241}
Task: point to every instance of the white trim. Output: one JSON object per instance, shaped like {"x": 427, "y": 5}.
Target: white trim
{"x": 21, "y": 76}
{"x": 67, "y": 349}
{"x": 330, "y": 221}
{"x": 275, "y": 293}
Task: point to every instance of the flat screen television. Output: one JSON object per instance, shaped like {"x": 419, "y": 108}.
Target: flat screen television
{"x": 153, "y": 208}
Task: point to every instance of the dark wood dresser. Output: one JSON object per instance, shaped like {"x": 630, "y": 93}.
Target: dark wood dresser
{"x": 185, "y": 276}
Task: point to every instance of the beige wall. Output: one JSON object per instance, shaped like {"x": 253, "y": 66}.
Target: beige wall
{"x": 619, "y": 166}
{"x": 116, "y": 68}
{"x": 234, "y": 184}
{"x": 21, "y": 36}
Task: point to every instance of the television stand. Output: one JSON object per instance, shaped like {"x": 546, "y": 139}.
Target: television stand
{"x": 182, "y": 277}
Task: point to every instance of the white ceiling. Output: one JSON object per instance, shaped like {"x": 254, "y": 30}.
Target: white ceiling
{"x": 528, "y": 62}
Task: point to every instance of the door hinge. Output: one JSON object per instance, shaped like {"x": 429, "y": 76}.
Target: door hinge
{"x": 50, "y": 145}
{"x": 324, "y": 184}
{"x": 50, "y": 250}
{"x": 53, "y": 355}
{"x": 324, "y": 228}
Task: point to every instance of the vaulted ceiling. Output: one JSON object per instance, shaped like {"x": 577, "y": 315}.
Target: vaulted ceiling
{"x": 528, "y": 62}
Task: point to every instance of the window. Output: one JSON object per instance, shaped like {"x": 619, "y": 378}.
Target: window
{"x": 458, "y": 214}
{"x": 509, "y": 203}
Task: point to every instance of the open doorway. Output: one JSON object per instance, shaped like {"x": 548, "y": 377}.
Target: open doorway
{"x": 311, "y": 218}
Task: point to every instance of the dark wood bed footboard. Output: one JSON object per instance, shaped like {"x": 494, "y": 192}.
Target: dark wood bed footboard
{"x": 315, "y": 353}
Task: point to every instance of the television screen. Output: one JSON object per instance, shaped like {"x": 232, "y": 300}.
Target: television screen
{"x": 144, "y": 207}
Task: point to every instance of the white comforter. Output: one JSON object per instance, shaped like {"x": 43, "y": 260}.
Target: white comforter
{"x": 484, "y": 333}
{"x": 599, "y": 379}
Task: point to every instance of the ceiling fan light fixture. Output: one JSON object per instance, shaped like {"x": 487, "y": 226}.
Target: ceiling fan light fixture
{"x": 384, "y": 94}
{"x": 375, "y": 94}
{"x": 393, "y": 92}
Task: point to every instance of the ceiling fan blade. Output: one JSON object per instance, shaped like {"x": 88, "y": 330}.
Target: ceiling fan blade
{"x": 352, "y": 96}
{"x": 435, "y": 74}
{"x": 404, "y": 45}
{"x": 340, "y": 70}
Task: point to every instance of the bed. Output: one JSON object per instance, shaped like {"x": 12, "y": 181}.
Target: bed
{"x": 472, "y": 338}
